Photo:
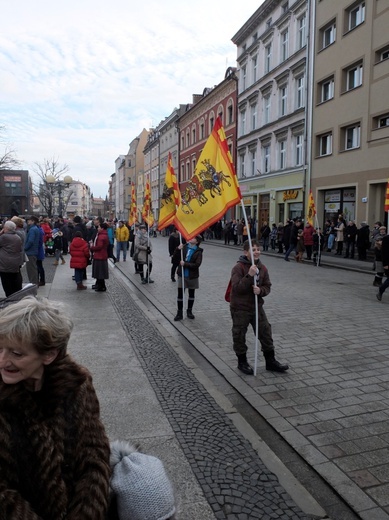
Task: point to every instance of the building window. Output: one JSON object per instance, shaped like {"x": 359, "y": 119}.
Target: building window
{"x": 211, "y": 123}
{"x": 193, "y": 166}
{"x": 255, "y": 68}
{"x": 242, "y": 172}
{"x": 283, "y": 100}
{"x": 253, "y": 110}
{"x": 381, "y": 121}
{"x": 324, "y": 144}
{"x": 266, "y": 109}
{"x": 187, "y": 139}
{"x": 243, "y": 122}
{"x": 382, "y": 54}
{"x": 299, "y": 149}
{"x": 202, "y": 131}
{"x": 243, "y": 78}
{"x": 193, "y": 135}
{"x": 230, "y": 113}
{"x": 266, "y": 158}
{"x": 351, "y": 136}
{"x": 253, "y": 162}
{"x": 187, "y": 171}
{"x": 301, "y": 31}
{"x": 326, "y": 89}
{"x": 282, "y": 155}
{"x": 300, "y": 92}
{"x": 328, "y": 35}
{"x": 356, "y": 15}
{"x": 268, "y": 23}
{"x": 267, "y": 58}
{"x": 352, "y": 77}
{"x": 284, "y": 45}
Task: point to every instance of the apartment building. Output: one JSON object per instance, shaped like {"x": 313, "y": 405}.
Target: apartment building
{"x": 151, "y": 171}
{"x": 350, "y": 125}
{"x": 272, "y": 99}
{"x": 196, "y": 124}
{"x": 135, "y": 168}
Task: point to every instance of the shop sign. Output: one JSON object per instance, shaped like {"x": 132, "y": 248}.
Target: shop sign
{"x": 12, "y": 178}
{"x": 290, "y": 195}
{"x": 332, "y": 196}
{"x": 332, "y": 207}
{"x": 247, "y": 201}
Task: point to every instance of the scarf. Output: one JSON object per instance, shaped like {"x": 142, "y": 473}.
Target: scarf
{"x": 189, "y": 253}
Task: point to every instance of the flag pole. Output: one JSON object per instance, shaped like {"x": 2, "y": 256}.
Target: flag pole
{"x": 256, "y": 298}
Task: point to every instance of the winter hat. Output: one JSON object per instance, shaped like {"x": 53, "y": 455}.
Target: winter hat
{"x": 141, "y": 485}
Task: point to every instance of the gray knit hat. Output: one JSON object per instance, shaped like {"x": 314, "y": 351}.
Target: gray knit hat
{"x": 141, "y": 485}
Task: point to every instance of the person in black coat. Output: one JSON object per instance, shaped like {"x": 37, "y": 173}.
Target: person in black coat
{"x": 385, "y": 263}
{"x": 363, "y": 240}
{"x": 173, "y": 243}
{"x": 350, "y": 234}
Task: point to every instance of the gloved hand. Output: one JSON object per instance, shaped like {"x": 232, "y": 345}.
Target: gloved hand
{"x": 148, "y": 250}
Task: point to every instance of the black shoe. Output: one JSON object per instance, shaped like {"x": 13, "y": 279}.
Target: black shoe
{"x": 94, "y": 286}
{"x": 179, "y": 316}
{"x": 379, "y": 296}
{"x": 173, "y": 279}
{"x": 274, "y": 366}
{"x": 244, "y": 367}
{"x": 190, "y": 315}
{"x": 101, "y": 289}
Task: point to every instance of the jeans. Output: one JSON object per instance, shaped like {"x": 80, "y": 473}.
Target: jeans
{"x": 291, "y": 248}
{"x": 78, "y": 275}
{"x": 121, "y": 246}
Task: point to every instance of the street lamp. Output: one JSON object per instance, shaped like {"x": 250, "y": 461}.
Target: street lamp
{"x": 59, "y": 186}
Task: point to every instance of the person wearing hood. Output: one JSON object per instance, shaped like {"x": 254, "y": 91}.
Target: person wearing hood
{"x": 188, "y": 274}
{"x": 99, "y": 248}
{"x": 249, "y": 280}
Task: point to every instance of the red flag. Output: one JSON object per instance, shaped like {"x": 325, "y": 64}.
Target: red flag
{"x": 387, "y": 198}
{"x": 170, "y": 198}
{"x": 133, "y": 210}
{"x": 147, "y": 213}
{"x": 212, "y": 190}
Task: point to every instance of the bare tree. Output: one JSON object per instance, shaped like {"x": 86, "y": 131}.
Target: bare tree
{"x": 8, "y": 160}
{"x": 46, "y": 191}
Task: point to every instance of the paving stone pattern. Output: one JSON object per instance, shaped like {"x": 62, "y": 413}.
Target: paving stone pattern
{"x": 332, "y": 405}
{"x": 234, "y": 480}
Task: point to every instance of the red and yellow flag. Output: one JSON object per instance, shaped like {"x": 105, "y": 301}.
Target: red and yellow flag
{"x": 133, "y": 209}
{"x": 147, "y": 212}
{"x": 387, "y": 198}
{"x": 311, "y": 208}
{"x": 170, "y": 198}
{"x": 212, "y": 190}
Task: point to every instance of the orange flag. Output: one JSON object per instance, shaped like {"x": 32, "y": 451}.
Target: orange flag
{"x": 133, "y": 210}
{"x": 387, "y": 198}
{"x": 311, "y": 208}
{"x": 170, "y": 198}
{"x": 147, "y": 213}
{"x": 212, "y": 190}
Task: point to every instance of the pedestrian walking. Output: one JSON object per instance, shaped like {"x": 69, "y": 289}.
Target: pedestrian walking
{"x": 350, "y": 234}
{"x": 142, "y": 254}
{"x": 80, "y": 254}
{"x": 293, "y": 238}
{"x": 249, "y": 280}
{"x": 31, "y": 248}
{"x": 385, "y": 264}
{"x": 300, "y": 247}
{"x": 99, "y": 248}
{"x": 122, "y": 237}
{"x": 188, "y": 274}
{"x": 58, "y": 246}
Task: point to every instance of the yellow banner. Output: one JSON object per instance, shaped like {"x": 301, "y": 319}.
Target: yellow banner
{"x": 170, "y": 198}
{"x": 212, "y": 190}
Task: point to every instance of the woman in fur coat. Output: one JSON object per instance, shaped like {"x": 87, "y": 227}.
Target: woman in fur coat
{"x": 54, "y": 453}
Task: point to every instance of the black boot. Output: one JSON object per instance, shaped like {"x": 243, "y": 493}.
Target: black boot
{"x": 190, "y": 315}
{"x": 377, "y": 281}
{"x": 273, "y": 365}
{"x": 244, "y": 366}
{"x": 179, "y": 316}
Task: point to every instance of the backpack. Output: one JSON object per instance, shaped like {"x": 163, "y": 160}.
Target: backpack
{"x": 227, "y": 295}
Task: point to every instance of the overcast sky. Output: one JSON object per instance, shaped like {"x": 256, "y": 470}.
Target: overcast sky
{"x": 80, "y": 79}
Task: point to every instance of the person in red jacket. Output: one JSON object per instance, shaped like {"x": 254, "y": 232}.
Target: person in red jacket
{"x": 79, "y": 252}
{"x": 308, "y": 233}
{"x": 99, "y": 249}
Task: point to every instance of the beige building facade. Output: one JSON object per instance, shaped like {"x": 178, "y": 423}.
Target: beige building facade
{"x": 272, "y": 99}
{"x": 350, "y": 116}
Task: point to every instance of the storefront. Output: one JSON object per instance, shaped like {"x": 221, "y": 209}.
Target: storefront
{"x": 339, "y": 202}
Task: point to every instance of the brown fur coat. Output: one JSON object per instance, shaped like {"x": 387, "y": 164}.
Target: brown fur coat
{"x": 54, "y": 453}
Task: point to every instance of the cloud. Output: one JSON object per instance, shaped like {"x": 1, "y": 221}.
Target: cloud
{"x": 80, "y": 80}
